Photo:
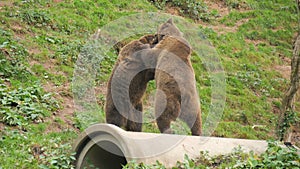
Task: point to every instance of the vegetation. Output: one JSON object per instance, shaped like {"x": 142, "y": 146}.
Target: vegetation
{"x": 196, "y": 10}
{"x": 40, "y": 42}
{"x": 274, "y": 157}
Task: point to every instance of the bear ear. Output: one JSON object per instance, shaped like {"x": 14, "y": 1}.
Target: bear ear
{"x": 170, "y": 21}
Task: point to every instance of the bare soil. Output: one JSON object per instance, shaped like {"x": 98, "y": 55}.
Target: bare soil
{"x": 173, "y": 10}
{"x": 66, "y": 113}
{"x": 284, "y": 70}
{"x": 219, "y": 6}
{"x": 1, "y": 126}
{"x": 6, "y": 3}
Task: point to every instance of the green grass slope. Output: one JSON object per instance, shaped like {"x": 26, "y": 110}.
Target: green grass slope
{"x": 40, "y": 42}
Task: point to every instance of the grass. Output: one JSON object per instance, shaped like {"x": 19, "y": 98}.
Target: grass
{"x": 274, "y": 157}
{"x": 29, "y": 150}
{"x": 40, "y": 42}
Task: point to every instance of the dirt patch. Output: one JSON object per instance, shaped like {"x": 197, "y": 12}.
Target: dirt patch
{"x": 295, "y": 138}
{"x": 173, "y": 10}
{"x": 6, "y": 3}
{"x": 284, "y": 70}
{"x": 34, "y": 51}
{"x": 223, "y": 29}
{"x": 19, "y": 31}
{"x": 63, "y": 118}
{"x": 63, "y": 94}
{"x": 223, "y": 10}
{"x": 241, "y": 22}
{"x": 293, "y": 135}
{"x": 49, "y": 64}
{"x": 57, "y": 1}
{"x": 219, "y": 6}
{"x": 101, "y": 89}
{"x": 255, "y": 42}
{"x": 220, "y": 29}
{"x": 65, "y": 114}
{"x": 16, "y": 27}
{"x": 1, "y": 126}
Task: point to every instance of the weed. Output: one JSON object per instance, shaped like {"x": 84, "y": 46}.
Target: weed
{"x": 36, "y": 150}
{"x": 36, "y": 18}
{"x": 290, "y": 118}
{"x": 276, "y": 156}
{"x": 25, "y": 105}
{"x": 84, "y": 119}
{"x": 196, "y": 10}
{"x": 12, "y": 58}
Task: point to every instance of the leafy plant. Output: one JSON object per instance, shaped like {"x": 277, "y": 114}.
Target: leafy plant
{"x": 59, "y": 158}
{"x": 193, "y": 9}
{"x": 36, "y": 149}
{"x": 236, "y": 4}
{"x": 24, "y": 105}
{"x": 276, "y": 156}
{"x": 289, "y": 118}
{"x": 37, "y": 18}
{"x": 12, "y": 57}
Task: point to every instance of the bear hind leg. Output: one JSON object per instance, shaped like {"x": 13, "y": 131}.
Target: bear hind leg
{"x": 194, "y": 122}
{"x": 136, "y": 119}
{"x": 114, "y": 117}
{"x": 164, "y": 125}
{"x": 169, "y": 113}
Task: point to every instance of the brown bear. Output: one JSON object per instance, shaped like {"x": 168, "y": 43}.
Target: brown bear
{"x": 128, "y": 83}
{"x": 175, "y": 81}
{"x": 165, "y": 57}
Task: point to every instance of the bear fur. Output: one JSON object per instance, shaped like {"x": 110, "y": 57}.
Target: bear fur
{"x": 175, "y": 81}
{"x": 164, "y": 57}
{"x": 129, "y": 75}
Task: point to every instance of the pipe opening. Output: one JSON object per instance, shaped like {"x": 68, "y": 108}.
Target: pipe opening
{"x": 102, "y": 155}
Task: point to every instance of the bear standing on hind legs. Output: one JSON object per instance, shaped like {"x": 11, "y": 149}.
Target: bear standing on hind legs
{"x": 165, "y": 57}
{"x": 128, "y": 83}
{"x": 175, "y": 80}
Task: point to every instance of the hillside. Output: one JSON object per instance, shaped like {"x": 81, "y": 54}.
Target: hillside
{"x": 41, "y": 40}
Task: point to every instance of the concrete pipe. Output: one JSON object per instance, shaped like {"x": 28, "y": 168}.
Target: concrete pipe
{"x": 106, "y": 146}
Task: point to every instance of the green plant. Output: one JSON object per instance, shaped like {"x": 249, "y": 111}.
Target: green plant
{"x": 12, "y": 57}
{"x": 134, "y": 165}
{"x": 59, "y": 158}
{"x": 24, "y": 105}
{"x": 196, "y": 10}
{"x": 37, "y": 18}
{"x": 36, "y": 149}
{"x": 276, "y": 156}
{"x": 91, "y": 116}
{"x": 68, "y": 51}
{"x": 289, "y": 118}
{"x": 237, "y": 4}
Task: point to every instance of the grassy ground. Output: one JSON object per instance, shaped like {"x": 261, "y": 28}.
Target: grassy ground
{"x": 40, "y": 42}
